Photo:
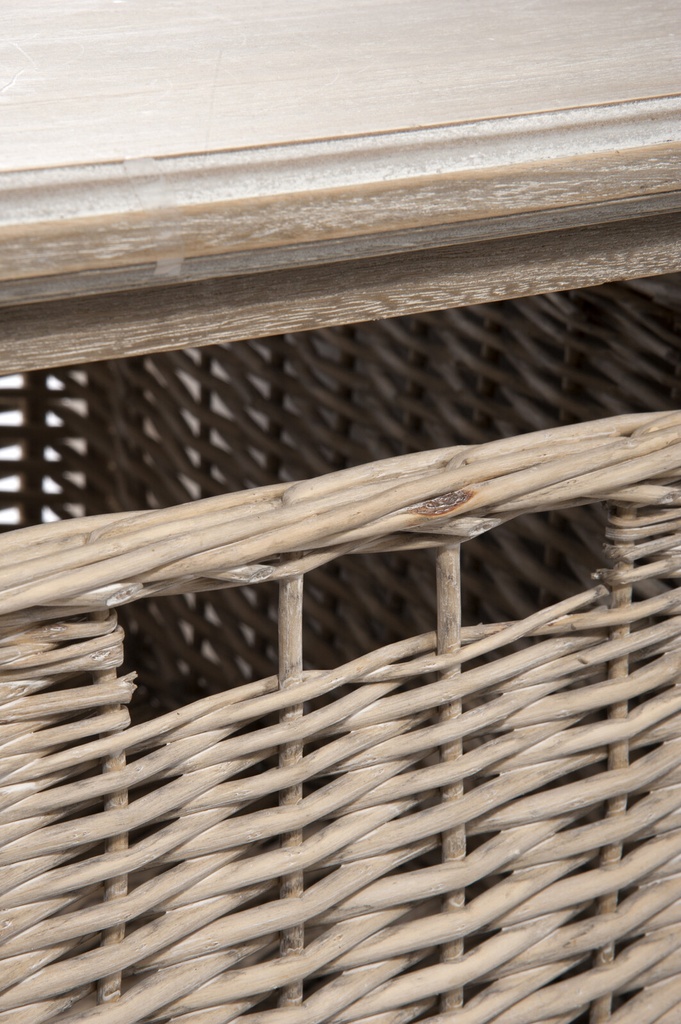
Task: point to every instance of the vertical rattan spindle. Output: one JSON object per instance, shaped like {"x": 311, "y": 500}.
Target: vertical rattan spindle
{"x": 290, "y": 673}
{"x": 618, "y": 752}
{"x": 109, "y": 988}
{"x": 454, "y": 840}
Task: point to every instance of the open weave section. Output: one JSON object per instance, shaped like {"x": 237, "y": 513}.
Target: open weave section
{"x": 477, "y": 823}
{"x": 177, "y": 426}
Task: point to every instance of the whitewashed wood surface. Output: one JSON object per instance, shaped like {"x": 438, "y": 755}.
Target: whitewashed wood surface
{"x": 148, "y": 143}
{"x": 84, "y": 81}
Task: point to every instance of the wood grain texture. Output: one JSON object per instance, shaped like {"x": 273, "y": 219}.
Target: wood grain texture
{"x": 164, "y": 142}
{"x": 338, "y": 251}
{"x": 249, "y": 216}
{"x": 230, "y": 309}
{"x": 167, "y": 78}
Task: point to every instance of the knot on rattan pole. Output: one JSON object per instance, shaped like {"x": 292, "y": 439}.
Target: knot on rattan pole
{"x": 622, "y": 524}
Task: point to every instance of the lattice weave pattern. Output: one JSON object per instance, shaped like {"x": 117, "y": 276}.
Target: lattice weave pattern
{"x": 172, "y": 427}
{"x": 476, "y": 824}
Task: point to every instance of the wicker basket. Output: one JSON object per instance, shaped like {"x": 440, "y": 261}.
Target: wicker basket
{"x": 409, "y": 744}
{"x": 473, "y": 824}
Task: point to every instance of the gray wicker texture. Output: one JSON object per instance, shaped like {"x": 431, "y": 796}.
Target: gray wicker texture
{"x": 163, "y": 429}
{"x": 479, "y": 824}
{"x": 397, "y": 743}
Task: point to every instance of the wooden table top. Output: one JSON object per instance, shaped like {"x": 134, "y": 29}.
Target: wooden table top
{"x": 95, "y": 82}
{"x": 303, "y": 163}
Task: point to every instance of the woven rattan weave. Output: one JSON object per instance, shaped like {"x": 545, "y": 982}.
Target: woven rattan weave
{"x": 479, "y": 823}
{"x": 168, "y": 428}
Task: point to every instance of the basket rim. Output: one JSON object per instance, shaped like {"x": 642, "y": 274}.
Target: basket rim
{"x": 278, "y": 531}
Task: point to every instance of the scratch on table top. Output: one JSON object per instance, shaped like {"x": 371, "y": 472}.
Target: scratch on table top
{"x": 17, "y": 74}
{"x": 13, "y": 80}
